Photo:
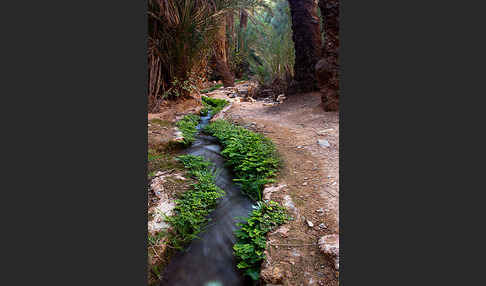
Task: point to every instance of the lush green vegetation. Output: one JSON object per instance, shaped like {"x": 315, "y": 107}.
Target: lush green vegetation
{"x": 212, "y": 88}
{"x": 251, "y": 243}
{"x": 187, "y": 125}
{"x": 271, "y": 53}
{"x": 252, "y": 157}
{"x": 193, "y": 207}
{"x": 212, "y": 104}
{"x": 241, "y": 80}
{"x": 254, "y": 160}
{"x": 181, "y": 38}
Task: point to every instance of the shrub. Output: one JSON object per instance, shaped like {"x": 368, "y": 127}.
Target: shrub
{"x": 251, "y": 237}
{"x": 193, "y": 207}
{"x": 252, "y": 156}
{"x": 188, "y": 125}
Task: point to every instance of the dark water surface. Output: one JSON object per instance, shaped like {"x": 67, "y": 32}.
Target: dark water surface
{"x": 209, "y": 261}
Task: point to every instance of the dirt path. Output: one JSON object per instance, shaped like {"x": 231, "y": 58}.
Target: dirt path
{"x": 309, "y": 180}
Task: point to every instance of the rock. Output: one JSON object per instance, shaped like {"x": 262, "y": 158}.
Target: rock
{"x": 163, "y": 208}
{"x": 289, "y": 204}
{"x": 322, "y": 226}
{"x": 304, "y": 184}
{"x": 296, "y": 253}
{"x": 281, "y": 98}
{"x": 321, "y": 210}
{"x": 323, "y": 143}
{"x": 325, "y": 131}
{"x": 310, "y": 224}
{"x": 247, "y": 99}
{"x": 283, "y": 231}
{"x": 329, "y": 246}
{"x": 159, "y": 173}
{"x": 272, "y": 275}
{"x": 268, "y": 191}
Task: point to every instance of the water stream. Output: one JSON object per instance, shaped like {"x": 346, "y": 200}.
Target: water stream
{"x": 209, "y": 260}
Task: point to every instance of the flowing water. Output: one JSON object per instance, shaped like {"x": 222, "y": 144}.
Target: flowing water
{"x": 209, "y": 260}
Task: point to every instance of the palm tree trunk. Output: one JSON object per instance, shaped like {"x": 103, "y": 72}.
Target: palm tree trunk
{"x": 243, "y": 24}
{"x": 327, "y": 69}
{"x": 307, "y": 40}
{"x": 220, "y": 55}
{"x": 230, "y": 19}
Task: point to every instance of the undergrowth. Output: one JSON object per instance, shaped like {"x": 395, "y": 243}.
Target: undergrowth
{"x": 254, "y": 161}
{"x": 193, "y": 206}
{"x": 213, "y": 105}
{"x": 187, "y": 125}
{"x": 252, "y": 156}
{"x": 211, "y": 88}
{"x": 241, "y": 80}
{"x": 251, "y": 237}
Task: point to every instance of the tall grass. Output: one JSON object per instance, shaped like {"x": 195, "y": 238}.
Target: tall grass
{"x": 181, "y": 34}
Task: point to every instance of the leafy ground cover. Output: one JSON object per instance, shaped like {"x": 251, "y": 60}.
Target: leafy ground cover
{"x": 255, "y": 162}
{"x": 212, "y": 88}
{"x": 213, "y": 105}
{"x": 252, "y": 236}
{"x": 193, "y": 206}
{"x": 187, "y": 125}
{"x": 252, "y": 157}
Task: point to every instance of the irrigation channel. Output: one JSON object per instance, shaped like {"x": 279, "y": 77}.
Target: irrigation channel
{"x": 209, "y": 260}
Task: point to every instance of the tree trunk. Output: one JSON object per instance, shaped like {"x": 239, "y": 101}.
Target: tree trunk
{"x": 307, "y": 40}
{"x": 221, "y": 57}
{"x": 327, "y": 70}
{"x": 243, "y": 24}
{"x": 230, "y": 19}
